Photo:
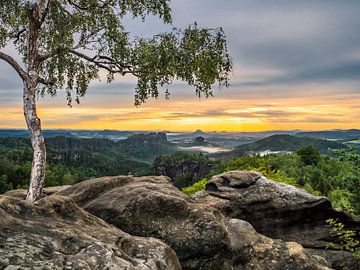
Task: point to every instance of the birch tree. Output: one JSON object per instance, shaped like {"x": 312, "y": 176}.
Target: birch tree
{"x": 62, "y": 45}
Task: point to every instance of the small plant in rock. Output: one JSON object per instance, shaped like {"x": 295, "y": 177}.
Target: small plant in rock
{"x": 346, "y": 239}
{"x": 198, "y": 186}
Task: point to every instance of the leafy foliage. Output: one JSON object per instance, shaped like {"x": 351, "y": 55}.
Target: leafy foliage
{"x": 254, "y": 163}
{"x": 345, "y": 239}
{"x": 76, "y": 39}
{"x": 196, "y": 187}
{"x": 353, "y": 157}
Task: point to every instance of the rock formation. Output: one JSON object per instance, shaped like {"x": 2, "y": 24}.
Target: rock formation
{"x": 199, "y": 234}
{"x": 253, "y": 251}
{"x": 184, "y": 172}
{"x": 152, "y": 206}
{"x": 21, "y": 193}
{"x": 153, "y": 138}
{"x": 57, "y": 234}
{"x": 199, "y": 140}
{"x": 207, "y": 232}
{"x": 278, "y": 210}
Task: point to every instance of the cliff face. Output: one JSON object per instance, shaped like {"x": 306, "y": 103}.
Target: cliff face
{"x": 217, "y": 229}
{"x": 185, "y": 171}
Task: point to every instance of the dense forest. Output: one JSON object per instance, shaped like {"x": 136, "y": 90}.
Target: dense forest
{"x": 71, "y": 160}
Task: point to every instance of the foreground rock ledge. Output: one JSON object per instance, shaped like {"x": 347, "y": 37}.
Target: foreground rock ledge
{"x": 200, "y": 235}
{"x": 207, "y": 233}
{"x": 57, "y": 234}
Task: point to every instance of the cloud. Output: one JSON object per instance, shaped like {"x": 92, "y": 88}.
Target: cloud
{"x": 285, "y": 53}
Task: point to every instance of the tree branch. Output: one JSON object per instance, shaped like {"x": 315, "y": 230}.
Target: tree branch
{"x": 45, "y": 56}
{"x": 45, "y": 81}
{"x": 104, "y": 4}
{"x": 59, "y": 50}
{"x": 17, "y": 38}
{"x": 105, "y": 62}
{"x": 43, "y": 6}
{"x": 7, "y": 58}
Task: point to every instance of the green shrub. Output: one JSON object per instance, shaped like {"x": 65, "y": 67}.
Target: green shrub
{"x": 341, "y": 199}
{"x": 198, "y": 186}
{"x": 311, "y": 190}
{"x": 346, "y": 239}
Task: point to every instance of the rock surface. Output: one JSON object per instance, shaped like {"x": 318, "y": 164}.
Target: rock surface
{"x": 253, "y": 251}
{"x": 206, "y": 232}
{"x": 199, "y": 234}
{"x": 277, "y": 210}
{"x": 57, "y": 234}
{"x": 152, "y": 206}
{"x": 21, "y": 193}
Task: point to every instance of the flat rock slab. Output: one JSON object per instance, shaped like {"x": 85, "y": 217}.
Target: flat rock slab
{"x": 57, "y": 234}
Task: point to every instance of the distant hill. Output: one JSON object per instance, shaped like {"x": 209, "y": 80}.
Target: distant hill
{"x": 96, "y": 157}
{"x": 23, "y": 133}
{"x": 281, "y": 142}
{"x": 344, "y": 135}
{"x": 114, "y": 135}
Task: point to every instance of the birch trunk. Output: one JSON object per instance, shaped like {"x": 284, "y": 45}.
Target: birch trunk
{"x": 29, "y": 98}
{"x": 37, "y": 141}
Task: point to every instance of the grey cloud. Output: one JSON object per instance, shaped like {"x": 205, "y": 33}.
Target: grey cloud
{"x": 308, "y": 41}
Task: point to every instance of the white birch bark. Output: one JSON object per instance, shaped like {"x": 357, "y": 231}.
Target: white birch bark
{"x": 38, "y": 144}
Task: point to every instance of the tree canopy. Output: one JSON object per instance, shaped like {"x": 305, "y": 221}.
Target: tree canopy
{"x": 77, "y": 38}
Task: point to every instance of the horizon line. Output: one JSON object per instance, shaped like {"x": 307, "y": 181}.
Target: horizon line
{"x": 198, "y": 130}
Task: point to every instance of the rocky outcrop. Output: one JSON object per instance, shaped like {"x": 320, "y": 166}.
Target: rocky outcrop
{"x": 199, "y": 234}
{"x": 278, "y": 211}
{"x": 184, "y": 172}
{"x": 199, "y": 140}
{"x": 253, "y": 251}
{"x": 57, "y": 234}
{"x": 183, "y": 168}
{"x": 152, "y": 206}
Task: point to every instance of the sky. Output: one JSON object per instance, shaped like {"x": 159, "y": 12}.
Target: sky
{"x": 296, "y": 66}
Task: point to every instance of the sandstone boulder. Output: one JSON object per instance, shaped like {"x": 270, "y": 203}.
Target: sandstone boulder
{"x": 278, "y": 210}
{"x": 152, "y": 206}
{"x": 253, "y": 251}
{"x": 57, "y": 234}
